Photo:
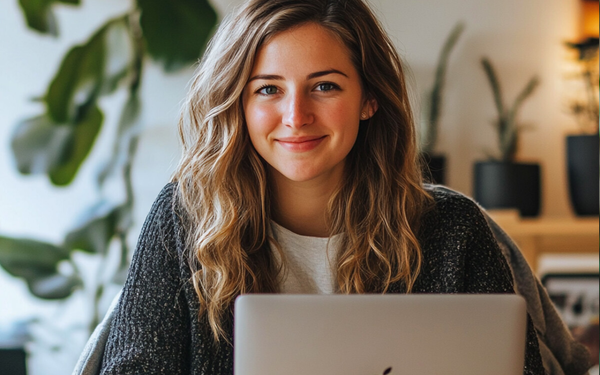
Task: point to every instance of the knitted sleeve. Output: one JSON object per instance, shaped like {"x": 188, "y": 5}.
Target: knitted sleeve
{"x": 486, "y": 271}
{"x": 150, "y": 331}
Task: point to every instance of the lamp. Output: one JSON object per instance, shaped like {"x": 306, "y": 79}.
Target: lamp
{"x": 588, "y": 44}
{"x": 589, "y": 18}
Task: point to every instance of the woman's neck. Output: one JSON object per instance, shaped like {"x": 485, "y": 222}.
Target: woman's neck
{"x": 301, "y": 206}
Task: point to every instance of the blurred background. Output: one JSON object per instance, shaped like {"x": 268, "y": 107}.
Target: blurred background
{"x": 89, "y": 102}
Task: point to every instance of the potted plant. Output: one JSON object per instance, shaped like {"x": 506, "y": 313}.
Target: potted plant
{"x": 582, "y": 149}
{"x": 431, "y": 107}
{"x": 501, "y": 182}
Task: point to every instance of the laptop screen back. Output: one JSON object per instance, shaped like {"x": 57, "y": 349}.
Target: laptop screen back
{"x": 379, "y": 334}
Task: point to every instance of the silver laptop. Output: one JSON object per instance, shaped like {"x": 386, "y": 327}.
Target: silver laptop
{"x": 379, "y": 334}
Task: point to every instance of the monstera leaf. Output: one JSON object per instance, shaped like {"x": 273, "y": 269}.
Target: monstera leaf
{"x": 176, "y": 32}
{"x": 41, "y": 146}
{"x": 83, "y": 135}
{"x": 38, "y": 144}
{"x": 39, "y": 16}
{"x": 88, "y": 70}
{"x": 37, "y": 263}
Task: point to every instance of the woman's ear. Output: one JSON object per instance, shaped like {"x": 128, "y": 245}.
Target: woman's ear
{"x": 369, "y": 108}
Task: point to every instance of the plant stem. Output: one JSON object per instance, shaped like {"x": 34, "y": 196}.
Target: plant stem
{"x": 134, "y": 87}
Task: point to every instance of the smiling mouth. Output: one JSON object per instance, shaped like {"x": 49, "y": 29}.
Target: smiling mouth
{"x": 300, "y": 144}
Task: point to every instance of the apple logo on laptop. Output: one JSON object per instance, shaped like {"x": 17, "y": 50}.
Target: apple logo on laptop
{"x": 387, "y": 371}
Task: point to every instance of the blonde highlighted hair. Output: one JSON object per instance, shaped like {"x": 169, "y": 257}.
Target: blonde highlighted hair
{"x": 223, "y": 182}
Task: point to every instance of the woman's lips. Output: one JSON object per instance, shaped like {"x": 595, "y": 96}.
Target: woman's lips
{"x": 300, "y": 144}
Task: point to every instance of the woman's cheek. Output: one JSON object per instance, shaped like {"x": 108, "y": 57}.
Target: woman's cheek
{"x": 260, "y": 118}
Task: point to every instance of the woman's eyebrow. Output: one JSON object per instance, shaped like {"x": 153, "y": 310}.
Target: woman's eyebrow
{"x": 274, "y": 77}
{"x": 324, "y": 73}
{"x": 268, "y": 77}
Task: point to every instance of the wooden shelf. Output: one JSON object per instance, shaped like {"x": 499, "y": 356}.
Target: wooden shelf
{"x": 536, "y": 236}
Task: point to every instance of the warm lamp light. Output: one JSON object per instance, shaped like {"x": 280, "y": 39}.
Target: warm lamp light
{"x": 589, "y": 24}
{"x": 588, "y": 44}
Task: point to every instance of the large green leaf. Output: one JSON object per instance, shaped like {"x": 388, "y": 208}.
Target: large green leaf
{"x": 37, "y": 263}
{"x": 80, "y": 143}
{"x": 83, "y": 70}
{"x": 78, "y": 79}
{"x": 91, "y": 69}
{"x": 39, "y": 144}
{"x": 39, "y": 16}
{"x": 176, "y": 31}
{"x": 28, "y": 258}
{"x": 95, "y": 228}
{"x": 54, "y": 286}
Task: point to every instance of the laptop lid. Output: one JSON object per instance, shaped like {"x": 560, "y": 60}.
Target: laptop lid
{"x": 379, "y": 334}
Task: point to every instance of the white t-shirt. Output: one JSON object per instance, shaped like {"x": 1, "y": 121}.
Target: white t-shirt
{"x": 309, "y": 261}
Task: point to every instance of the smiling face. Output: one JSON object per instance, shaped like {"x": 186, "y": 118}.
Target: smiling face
{"x": 303, "y": 104}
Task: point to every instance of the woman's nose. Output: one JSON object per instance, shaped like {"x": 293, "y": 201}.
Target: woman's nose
{"x": 297, "y": 111}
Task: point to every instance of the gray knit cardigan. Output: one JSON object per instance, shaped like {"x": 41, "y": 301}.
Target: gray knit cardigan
{"x": 156, "y": 327}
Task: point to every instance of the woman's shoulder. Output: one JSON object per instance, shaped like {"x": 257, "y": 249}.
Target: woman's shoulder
{"x": 451, "y": 205}
{"x": 165, "y": 203}
{"x": 167, "y": 194}
{"x": 164, "y": 219}
{"x": 454, "y": 217}
{"x": 460, "y": 253}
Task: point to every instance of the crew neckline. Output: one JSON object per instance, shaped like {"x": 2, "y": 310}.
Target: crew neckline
{"x": 278, "y": 228}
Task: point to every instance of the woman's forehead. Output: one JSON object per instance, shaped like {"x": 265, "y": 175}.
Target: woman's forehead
{"x": 306, "y": 48}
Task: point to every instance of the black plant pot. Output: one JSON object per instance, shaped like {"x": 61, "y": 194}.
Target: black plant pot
{"x": 583, "y": 169}
{"x": 508, "y": 185}
{"x": 434, "y": 168}
{"x": 13, "y": 361}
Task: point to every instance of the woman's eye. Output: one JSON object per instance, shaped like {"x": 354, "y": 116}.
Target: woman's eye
{"x": 267, "y": 90}
{"x": 326, "y": 87}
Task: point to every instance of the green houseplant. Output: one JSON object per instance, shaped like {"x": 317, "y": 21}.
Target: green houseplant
{"x": 57, "y": 142}
{"x": 502, "y": 182}
{"x": 431, "y": 110}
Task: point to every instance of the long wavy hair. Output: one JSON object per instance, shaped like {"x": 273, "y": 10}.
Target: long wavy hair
{"x": 223, "y": 183}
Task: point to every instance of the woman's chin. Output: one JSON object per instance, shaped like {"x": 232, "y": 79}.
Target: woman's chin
{"x": 309, "y": 175}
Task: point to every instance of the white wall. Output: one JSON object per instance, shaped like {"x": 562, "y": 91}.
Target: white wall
{"x": 521, "y": 37}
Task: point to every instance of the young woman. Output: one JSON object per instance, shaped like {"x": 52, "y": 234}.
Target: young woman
{"x": 299, "y": 175}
